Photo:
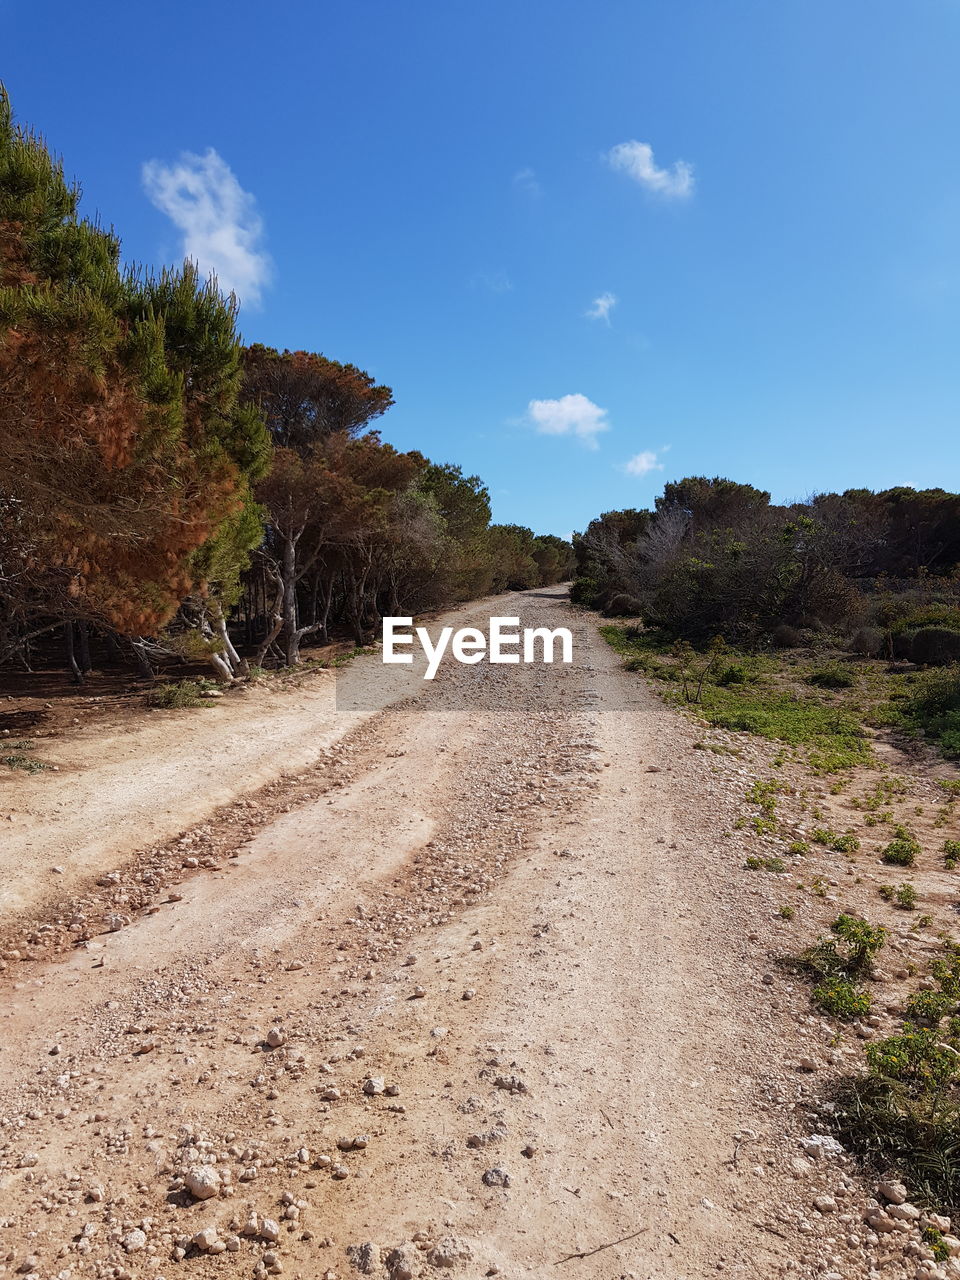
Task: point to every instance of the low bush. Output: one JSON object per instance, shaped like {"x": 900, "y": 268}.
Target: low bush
{"x": 185, "y": 693}
{"x": 832, "y": 678}
{"x": 840, "y": 998}
{"x": 906, "y": 897}
{"x": 932, "y": 708}
{"x": 905, "y": 1113}
{"x": 867, "y": 641}
{"x": 936, "y": 646}
{"x": 622, "y": 606}
{"x": 18, "y": 761}
{"x": 928, "y": 1008}
{"x": 786, "y": 637}
{"x": 849, "y": 953}
{"x": 755, "y": 863}
{"x": 903, "y": 849}
{"x": 735, "y": 673}
{"x": 585, "y": 591}
{"x": 831, "y": 840}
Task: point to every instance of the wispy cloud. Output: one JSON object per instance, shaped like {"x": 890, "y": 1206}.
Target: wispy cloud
{"x": 601, "y": 307}
{"x": 526, "y": 180}
{"x": 635, "y": 159}
{"x": 222, "y": 231}
{"x": 572, "y": 415}
{"x": 641, "y": 464}
{"x": 492, "y": 281}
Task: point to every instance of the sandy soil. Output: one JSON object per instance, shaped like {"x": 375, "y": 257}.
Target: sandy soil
{"x": 131, "y": 775}
{"x": 479, "y": 988}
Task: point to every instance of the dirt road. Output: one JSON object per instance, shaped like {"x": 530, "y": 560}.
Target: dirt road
{"x": 474, "y": 993}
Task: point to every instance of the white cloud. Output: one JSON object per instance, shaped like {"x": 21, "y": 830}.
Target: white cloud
{"x": 492, "y": 281}
{"x": 572, "y": 415}
{"x": 601, "y": 307}
{"x": 222, "y": 230}
{"x": 526, "y": 180}
{"x": 635, "y": 159}
{"x": 641, "y": 464}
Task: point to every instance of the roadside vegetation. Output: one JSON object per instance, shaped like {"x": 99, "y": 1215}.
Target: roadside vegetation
{"x": 825, "y": 627}
{"x": 809, "y": 623}
{"x": 170, "y": 497}
{"x": 760, "y": 693}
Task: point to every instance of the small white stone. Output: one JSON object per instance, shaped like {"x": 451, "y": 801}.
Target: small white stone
{"x": 203, "y": 1182}
{"x": 135, "y": 1240}
{"x": 894, "y": 1192}
{"x": 206, "y": 1238}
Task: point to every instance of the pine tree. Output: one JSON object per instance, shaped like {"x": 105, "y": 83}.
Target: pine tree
{"x": 126, "y": 458}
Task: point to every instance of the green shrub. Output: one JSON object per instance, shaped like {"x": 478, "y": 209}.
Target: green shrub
{"x": 25, "y": 763}
{"x": 185, "y": 693}
{"x": 917, "y": 1058}
{"x": 832, "y": 678}
{"x": 831, "y": 840}
{"x": 755, "y": 863}
{"x": 786, "y": 637}
{"x": 936, "y": 614}
{"x": 936, "y": 646}
{"x": 786, "y": 912}
{"x": 951, "y": 851}
{"x": 928, "y": 1008}
{"x": 932, "y": 1237}
{"x": 904, "y": 1114}
{"x": 849, "y": 952}
{"x": 902, "y": 850}
{"x": 799, "y": 848}
{"x": 932, "y": 708}
{"x": 867, "y": 641}
{"x": 736, "y": 673}
{"x": 947, "y": 971}
{"x": 585, "y": 591}
{"x": 906, "y": 897}
{"x": 840, "y": 998}
{"x": 846, "y": 844}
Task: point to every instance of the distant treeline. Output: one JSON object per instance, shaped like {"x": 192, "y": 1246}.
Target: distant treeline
{"x": 878, "y": 573}
{"x": 173, "y": 493}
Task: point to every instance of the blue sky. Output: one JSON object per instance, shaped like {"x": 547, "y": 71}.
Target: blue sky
{"x": 442, "y": 191}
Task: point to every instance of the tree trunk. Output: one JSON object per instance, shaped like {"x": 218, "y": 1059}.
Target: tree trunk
{"x": 232, "y": 660}
{"x": 83, "y": 647}
{"x": 71, "y": 654}
{"x": 276, "y": 622}
{"x": 291, "y": 635}
{"x": 141, "y": 659}
{"x": 114, "y": 648}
